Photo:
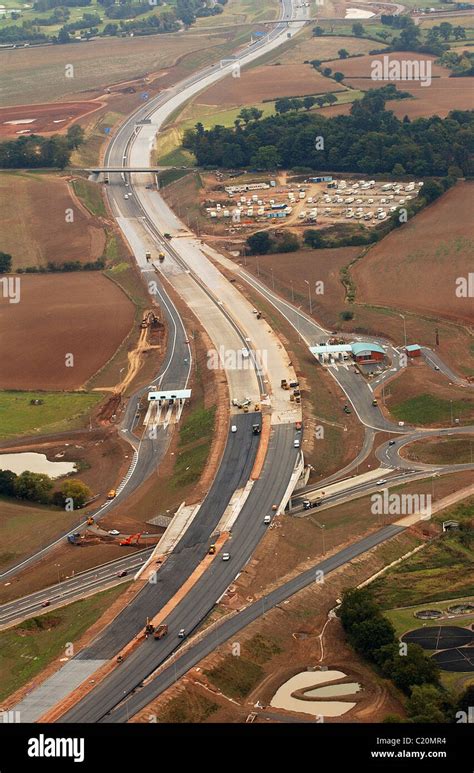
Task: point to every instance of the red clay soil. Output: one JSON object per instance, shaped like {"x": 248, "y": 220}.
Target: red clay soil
{"x": 84, "y": 314}
{"x": 43, "y": 119}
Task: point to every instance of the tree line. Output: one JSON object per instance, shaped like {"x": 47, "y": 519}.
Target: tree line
{"x": 38, "y": 487}
{"x": 35, "y": 151}
{"x": 125, "y": 13}
{"x": 369, "y": 140}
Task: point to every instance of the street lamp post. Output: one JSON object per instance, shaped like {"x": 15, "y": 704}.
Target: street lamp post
{"x": 404, "y": 328}
{"x": 309, "y": 295}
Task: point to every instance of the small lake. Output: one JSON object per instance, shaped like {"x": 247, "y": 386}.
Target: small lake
{"x": 283, "y": 698}
{"x": 34, "y": 462}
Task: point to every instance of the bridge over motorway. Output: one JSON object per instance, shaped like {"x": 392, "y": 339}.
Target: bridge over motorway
{"x": 107, "y": 169}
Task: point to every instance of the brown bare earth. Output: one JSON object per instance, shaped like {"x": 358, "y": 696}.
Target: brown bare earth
{"x": 30, "y": 201}
{"x": 423, "y": 260}
{"x": 266, "y": 83}
{"x": 43, "y": 119}
{"x": 83, "y": 314}
{"x": 313, "y": 266}
{"x": 438, "y": 98}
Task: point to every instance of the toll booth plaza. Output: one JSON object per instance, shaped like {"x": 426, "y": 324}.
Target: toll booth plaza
{"x": 166, "y": 407}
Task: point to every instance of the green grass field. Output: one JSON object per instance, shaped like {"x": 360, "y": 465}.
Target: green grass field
{"x": 90, "y": 195}
{"x": 195, "y": 438}
{"x": 442, "y": 569}
{"x": 453, "y": 450}
{"x": 59, "y": 409}
{"x": 29, "y": 647}
{"x": 426, "y": 409}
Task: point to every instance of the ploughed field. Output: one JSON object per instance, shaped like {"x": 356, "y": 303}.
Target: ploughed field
{"x": 80, "y": 314}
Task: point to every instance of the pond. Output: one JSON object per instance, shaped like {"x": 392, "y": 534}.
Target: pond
{"x": 34, "y": 462}
{"x": 283, "y": 698}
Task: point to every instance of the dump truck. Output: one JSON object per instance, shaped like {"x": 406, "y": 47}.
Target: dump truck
{"x": 212, "y": 549}
{"x": 374, "y": 402}
{"x": 149, "y": 628}
{"x": 160, "y": 631}
{"x": 148, "y": 256}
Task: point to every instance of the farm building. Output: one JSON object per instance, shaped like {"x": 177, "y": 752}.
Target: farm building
{"x": 367, "y": 352}
{"x": 413, "y": 350}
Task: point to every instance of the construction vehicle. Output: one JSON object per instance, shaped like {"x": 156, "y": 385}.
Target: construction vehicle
{"x": 149, "y": 628}
{"x": 298, "y": 426}
{"x": 259, "y": 315}
{"x": 256, "y": 429}
{"x": 161, "y": 257}
{"x": 212, "y": 549}
{"x": 347, "y": 409}
{"x": 257, "y": 407}
{"x": 148, "y": 256}
{"x": 73, "y": 538}
{"x": 374, "y": 402}
{"x": 112, "y": 494}
{"x": 246, "y": 409}
{"x": 132, "y": 539}
{"x": 297, "y": 399}
{"x": 149, "y": 320}
{"x": 90, "y": 521}
{"x": 160, "y": 631}
{"x": 284, "y": 384}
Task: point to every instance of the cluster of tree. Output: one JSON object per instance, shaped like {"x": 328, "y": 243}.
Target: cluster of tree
{"x": 188, "y": 10}
{"x": 35, "y": 151}
{"x": 58, "y": 16}
{"x": 152, "y": 25}
{"x": 126, "y": 10}
{"x": 5, "y": 262}
{"x": 66, "y": 267}
{"x": 48, "y": 5}
{"x": 461, "y": 64}
{"x": 21, "y": 33}
{"x": 415, "y": 674}
{"x": 286, "y": 104}
{"x": 370, "y": 140}
{"x": 263, "y": 243}
{"x": 37, "y": 487}
{"x": 87, "y": 20}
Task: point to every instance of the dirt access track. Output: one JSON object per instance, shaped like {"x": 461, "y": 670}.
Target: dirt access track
{"x": 84, "y": 314}
{"x": 43, "y": 119}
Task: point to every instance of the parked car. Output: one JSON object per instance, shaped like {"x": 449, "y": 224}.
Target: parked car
{"x": 114, "y": 532}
